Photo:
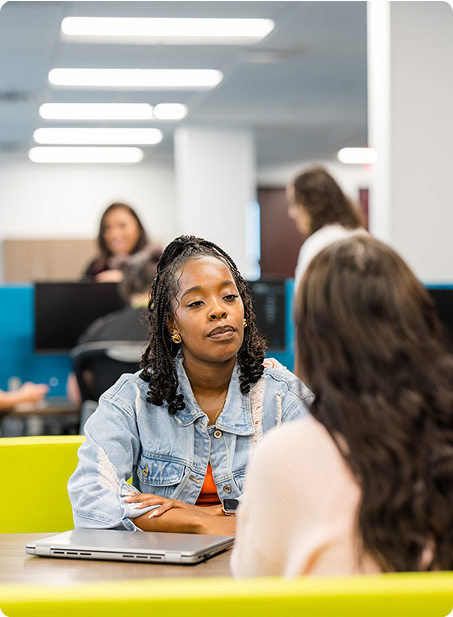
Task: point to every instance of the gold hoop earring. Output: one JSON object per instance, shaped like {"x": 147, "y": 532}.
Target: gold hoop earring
{"x": 245, "y": 324}
{"x": 176, "y": 338}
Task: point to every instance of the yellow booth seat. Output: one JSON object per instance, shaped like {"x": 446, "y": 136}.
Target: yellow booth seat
{"x": 386, "y": 595}
{"x": 35, "y": 472}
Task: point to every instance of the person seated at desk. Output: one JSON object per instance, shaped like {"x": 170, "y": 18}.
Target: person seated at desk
{"x": 185, "y": 426}
{"x": 28, "y": 393}
{"x": 365, "y": 484}
{"x": 121, "y": 234}
{"x": 128, "y": 324}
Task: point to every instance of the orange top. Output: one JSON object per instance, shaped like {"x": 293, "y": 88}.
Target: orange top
{"x": 208, "y": 495}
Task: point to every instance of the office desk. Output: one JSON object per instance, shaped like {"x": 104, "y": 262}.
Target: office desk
{"x": 34, "y": 418}
{"x": 54, "y": 587}
{"x": 18, "y": 567}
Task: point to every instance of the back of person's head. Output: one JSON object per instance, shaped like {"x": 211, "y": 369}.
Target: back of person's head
{"x": 370, "y": 350}
{"x": 142, "y": 240}
{"x": 158, "y": 361}
{"x": 322, "y": 198}
{"x": 139, "y": 274}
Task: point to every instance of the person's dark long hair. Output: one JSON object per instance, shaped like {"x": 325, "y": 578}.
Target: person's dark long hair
{"x": 317, "y": 192}
{"x": 370, "y": 349}
{"x": 105, "y": 252}
{"x": 158, "y": 361}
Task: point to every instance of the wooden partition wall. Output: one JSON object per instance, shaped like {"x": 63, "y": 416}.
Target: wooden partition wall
{"x": 46, "y": 260}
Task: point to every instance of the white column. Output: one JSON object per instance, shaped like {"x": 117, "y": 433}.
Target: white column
{"x": 379, "y": 133}
{"x": 215, "y": 179}
{"x": 411, "y": 126}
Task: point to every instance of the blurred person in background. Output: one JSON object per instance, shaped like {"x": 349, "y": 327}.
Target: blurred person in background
{"x": 365, "y": 484}
{"x": 322, "y": 214}
{"x": 27, "y": 393}
{"x": 121, "y": 234}
{"x": 129, "y": 323}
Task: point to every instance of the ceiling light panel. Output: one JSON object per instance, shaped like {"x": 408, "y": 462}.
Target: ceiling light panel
{"x": 96, "y": 111}
{"x": 170, "y": 31}
{"x": 91, "y": 136}
{"x": 170, "y": 111}
{"x": 85, "y": 155}
{"x": 357, "y": 155}
{"x": 136, "y": 79}
{"x": 112, "y": 111}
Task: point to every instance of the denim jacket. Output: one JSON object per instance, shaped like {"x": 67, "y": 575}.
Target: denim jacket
{"x": 167, "y": 454}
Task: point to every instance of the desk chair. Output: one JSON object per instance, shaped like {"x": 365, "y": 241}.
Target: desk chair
{"x": 37, "y": 469}
{"x": 98, "y": 366}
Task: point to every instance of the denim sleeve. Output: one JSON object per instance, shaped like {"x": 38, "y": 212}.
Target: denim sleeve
{"x": 300, "y": 399}
{"x": 106, "y": 462}
{"x": 295, "y": 398}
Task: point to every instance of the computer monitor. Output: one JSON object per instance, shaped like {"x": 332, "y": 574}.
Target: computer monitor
{"x": 63, "y": 311}
{"x": 269, "y": 304}
{"x": 443, "y": 301}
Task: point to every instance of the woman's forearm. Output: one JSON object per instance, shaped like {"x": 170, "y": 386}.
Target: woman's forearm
{"x": 181, "y": 520}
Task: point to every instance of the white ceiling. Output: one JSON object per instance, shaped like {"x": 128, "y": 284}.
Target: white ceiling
{"x": 306, "y": 105}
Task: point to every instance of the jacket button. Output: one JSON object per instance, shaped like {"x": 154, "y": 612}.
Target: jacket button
{"x": 146, "y": 471}
{"x": 217, "y": 434}
{"x": 227, "y": 488}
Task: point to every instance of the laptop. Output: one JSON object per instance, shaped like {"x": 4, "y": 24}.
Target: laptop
{"x": 137, "y": 546}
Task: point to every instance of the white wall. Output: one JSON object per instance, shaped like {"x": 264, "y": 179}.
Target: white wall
{"x": 215, "y": 180}
{"x": 66, "y": 201}
{"x": 422, "y": 136}
{"x": 412, "y": 131}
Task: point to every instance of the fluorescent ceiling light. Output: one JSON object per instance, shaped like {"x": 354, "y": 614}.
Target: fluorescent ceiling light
{"x": 112, "y": 111}
{"x": 121, "y": 136}
{"x": 357, "y": 155}
{"x": 96, "y": 111}
{"x": 183, "y": 31}
{"x": 85, "y": 155}
{"x": 170, "y": 111}
{"x": 146, "y": 79}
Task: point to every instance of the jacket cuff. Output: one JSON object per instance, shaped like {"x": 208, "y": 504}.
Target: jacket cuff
{"x": 131, "y": 510}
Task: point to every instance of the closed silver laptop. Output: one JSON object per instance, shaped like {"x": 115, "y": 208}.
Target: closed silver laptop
{"x": 136, "y": 546}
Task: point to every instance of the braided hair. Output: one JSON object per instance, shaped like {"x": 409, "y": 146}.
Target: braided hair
{"x": 158, "y": 360}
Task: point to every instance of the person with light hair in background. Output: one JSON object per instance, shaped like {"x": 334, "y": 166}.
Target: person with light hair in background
{"x": 365, "y": 484}
{"x": 322, "y": 213}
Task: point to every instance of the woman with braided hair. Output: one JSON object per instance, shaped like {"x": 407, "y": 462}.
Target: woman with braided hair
{"x": 185, "y": 426}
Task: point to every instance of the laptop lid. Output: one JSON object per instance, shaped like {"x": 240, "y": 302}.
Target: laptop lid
{"x": 143, "y": 546}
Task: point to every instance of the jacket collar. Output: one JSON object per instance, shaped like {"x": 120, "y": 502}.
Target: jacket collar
{"x": 236, "y": 416}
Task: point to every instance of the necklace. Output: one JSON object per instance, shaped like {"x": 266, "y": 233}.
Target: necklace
{"x": 220, "y": 410}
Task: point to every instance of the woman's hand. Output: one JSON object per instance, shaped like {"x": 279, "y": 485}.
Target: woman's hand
{"x": 147, "y": 499}
{"x": 109, "y": 276}
{"x": 182, "y": 517}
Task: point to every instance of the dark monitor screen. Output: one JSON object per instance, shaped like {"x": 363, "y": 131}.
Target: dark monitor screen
{"x": 269, "y": 304}
{"x": 443, "y": 301}
{"x": 63, "y": 311}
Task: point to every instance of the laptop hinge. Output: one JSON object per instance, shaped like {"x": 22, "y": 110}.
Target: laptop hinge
{"x": 172, "y": 557}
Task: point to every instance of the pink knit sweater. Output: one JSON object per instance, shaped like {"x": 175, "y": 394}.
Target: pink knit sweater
{"x": 299, "y": 514}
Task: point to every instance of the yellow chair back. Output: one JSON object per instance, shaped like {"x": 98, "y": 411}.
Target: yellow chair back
{"x": 36, "y": 471}
{"x": 386, "y": 595}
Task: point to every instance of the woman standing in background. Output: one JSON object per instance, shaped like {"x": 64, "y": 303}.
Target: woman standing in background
{"x": 121, "y": 234}
{"x": 322, "y": 212}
